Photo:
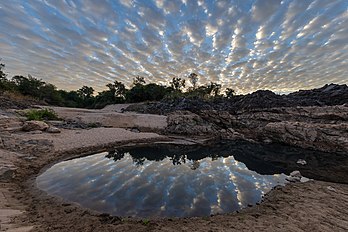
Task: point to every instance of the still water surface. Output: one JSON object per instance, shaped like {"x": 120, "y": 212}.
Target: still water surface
{"x": 159, "y": 181}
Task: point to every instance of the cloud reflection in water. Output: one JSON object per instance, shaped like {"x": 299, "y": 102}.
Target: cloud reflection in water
{"x": 157, "y": 188}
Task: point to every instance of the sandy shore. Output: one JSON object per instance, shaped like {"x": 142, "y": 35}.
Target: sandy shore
{"x": 311, "y": 206}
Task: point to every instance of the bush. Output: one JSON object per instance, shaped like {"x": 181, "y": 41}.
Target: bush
{"x": 42, "y": 114}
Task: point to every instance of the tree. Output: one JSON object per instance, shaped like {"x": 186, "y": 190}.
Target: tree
{"x": 229, "y": 93}
{"x": 139, "y": 80}
{"x": 149, "y": 92}
{"x": 86, "y": 95}
{"x": 117, "y": 89}
{"x": 74, "y": 98}
{"x": 115, "y": 94}
{"x": 193, "y": 77}
{"x": 2, "y": 73}
{"x": 85, "y": 92}
{"x": 213, "y": 89}
{"x": 3, "y": 80}
{"x": 177, "y": 83}
{"x": 28, "y": 85}
{"x": 205, "y": 91}
{"x": 70, "y": 99}
{"x": 49, "y": 94}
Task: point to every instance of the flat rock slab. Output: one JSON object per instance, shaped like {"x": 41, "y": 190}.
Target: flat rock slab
{"x": 74, "y": 139}
{"x": 112, "y": 118}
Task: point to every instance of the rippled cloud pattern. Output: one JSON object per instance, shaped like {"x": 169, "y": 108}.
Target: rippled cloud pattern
{"x": 247, "y": 44}
{"x": 157, "y": 188}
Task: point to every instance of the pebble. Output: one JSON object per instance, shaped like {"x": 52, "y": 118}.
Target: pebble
{"x": 301, "y": 161}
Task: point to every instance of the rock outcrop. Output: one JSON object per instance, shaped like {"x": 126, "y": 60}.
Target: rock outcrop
{"x": 328, "y": 95}
{"x": 188, "y": 123}
{"x": 324, "y": 137}
{"x": 319, "y": 128}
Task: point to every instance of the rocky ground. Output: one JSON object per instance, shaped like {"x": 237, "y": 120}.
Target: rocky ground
{"x": 320, "y": 128}
{"x": 328, "y": 95}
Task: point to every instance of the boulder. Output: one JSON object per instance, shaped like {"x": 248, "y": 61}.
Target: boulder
{"x": 294, "y": 176}
{"x": 52, "y": 129}
{"x": 34, "y": 125}
{"x": 301, "y": 161}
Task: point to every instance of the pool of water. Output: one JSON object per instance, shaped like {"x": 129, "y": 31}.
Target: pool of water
{"x": 160, "y": 181}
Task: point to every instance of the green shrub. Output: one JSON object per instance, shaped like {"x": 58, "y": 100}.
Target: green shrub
{"x": 146, "y": 221}
{"x": 41, "y": 114}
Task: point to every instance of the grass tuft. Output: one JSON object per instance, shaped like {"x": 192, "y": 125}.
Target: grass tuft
{"x": 146, "y": 221}
{"x": 41, "y": 114}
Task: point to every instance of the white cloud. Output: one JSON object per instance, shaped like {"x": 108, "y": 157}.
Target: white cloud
{"x": 280, "y": 45}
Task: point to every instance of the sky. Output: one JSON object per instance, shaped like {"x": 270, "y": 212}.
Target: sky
{"x": 246, "y": 45}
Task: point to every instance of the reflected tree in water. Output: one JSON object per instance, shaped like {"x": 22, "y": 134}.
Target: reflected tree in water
{"x": 178, "y": 159}
{"x": 115, "y": 155}
{"x": 195, "y": 165}
{"x": 138, "y": 161}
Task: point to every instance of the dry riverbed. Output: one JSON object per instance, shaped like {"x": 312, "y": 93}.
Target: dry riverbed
{"x": 311, "y": 206}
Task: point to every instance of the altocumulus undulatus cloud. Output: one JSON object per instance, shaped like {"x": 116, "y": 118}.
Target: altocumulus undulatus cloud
{"x": 251, "y": 44}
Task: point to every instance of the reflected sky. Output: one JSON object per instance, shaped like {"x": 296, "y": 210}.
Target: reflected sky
{"x": 281, "y": 45}
{"x": 135, "y": 186}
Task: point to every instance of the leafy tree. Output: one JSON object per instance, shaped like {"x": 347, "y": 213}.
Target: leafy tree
{"x": 85, "y": 92}
{"x": 229, "y": 93}
{"x": 136, "y": 94}
{"x": 139, "y": 80}
{"x": 70, "y": 98}
{"x": 115, "y": 94}
{"x": 28, "y": 85}
{"x": 86, "y": 95}
{"x": 149, "y": 92}
{"x": 3, "y": 79}
{"x": 177, "y": 83}
{"x": 117, "y": 89}
{"x": 73, "y": 98}
{"x": 49, "y": 94}
{"x": 2, "y": 73}
{"x": 193, "y": 77}
{"x": 5, "y": 84}
{"x": 213, "y": 89}
{"x": 104, "y": 98}
{"x": 206, "y": 91}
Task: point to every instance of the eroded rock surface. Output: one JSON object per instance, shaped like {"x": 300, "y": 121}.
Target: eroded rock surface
{"x": 320, "y": 128}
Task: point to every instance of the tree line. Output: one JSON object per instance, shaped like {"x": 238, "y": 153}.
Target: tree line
{"x": 116, "y": 92}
